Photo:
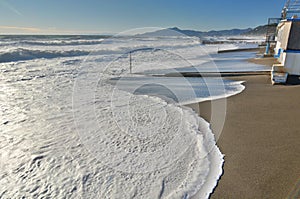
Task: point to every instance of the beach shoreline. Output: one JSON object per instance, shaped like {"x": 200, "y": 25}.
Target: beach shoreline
{"x": 260, "y": 140}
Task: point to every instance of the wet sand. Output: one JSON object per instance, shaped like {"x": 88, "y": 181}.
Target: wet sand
{"x": 260, "y": 140}
{"x": 268, "y": 61}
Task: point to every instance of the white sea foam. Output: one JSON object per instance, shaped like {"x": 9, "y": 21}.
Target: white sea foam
{"x": 178, "y": 89}
{"x": 99, "y": 138}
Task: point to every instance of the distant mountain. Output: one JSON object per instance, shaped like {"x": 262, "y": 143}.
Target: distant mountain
{"x": 260, "y": 30}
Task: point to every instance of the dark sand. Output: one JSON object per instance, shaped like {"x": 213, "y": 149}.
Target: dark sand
{"x": 260, "y": 140}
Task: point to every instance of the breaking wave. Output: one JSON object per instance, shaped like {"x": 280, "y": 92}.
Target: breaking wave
{"x": 21, "y": 54}
{"x": 42, "y": 154}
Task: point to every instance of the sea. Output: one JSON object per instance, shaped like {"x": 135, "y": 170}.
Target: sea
{"x": 91, "y": 116}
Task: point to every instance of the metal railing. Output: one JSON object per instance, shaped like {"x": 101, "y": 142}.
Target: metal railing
{"x": 272, "y": 29}
{"x": 291, "y": 8}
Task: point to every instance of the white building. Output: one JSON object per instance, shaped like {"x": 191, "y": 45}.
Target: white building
{"x": 288, "y": 45}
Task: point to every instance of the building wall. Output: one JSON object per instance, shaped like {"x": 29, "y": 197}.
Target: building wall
{"x": 284, "y": 34}
{"x": 292, "y": 63}
{"x": 294, "y": 37}
{"x": 288, "y": 39}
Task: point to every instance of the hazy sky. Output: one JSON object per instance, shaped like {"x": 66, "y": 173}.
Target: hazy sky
{"x": 113, "y": 16}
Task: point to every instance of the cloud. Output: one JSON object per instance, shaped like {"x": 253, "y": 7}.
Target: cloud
{"x": 7, "y": 5}
{"x": 33, "y": 30}
{"x": 16, "y": 28}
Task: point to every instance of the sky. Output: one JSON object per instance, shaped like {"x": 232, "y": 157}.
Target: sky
{"x": 114, "y": 16}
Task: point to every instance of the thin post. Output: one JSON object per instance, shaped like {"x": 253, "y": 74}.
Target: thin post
{"x": 267, "y": 48}
{"x": 130, "y": 63}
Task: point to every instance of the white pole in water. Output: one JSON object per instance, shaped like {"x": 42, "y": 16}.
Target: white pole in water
{"x": 130, "y": 63}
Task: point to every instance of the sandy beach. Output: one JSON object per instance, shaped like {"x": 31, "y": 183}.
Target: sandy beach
{"x": 260, "y": 141}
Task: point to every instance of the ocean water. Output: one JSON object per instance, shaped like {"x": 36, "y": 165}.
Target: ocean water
{"x": 76, "y": 123}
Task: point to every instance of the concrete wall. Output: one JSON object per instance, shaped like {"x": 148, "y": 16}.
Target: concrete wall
{"x": 292, "y": 63}
{"x": 294, "y": 38}
{"x": 288, "y": 39}
{"x": 284, "y": 34}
